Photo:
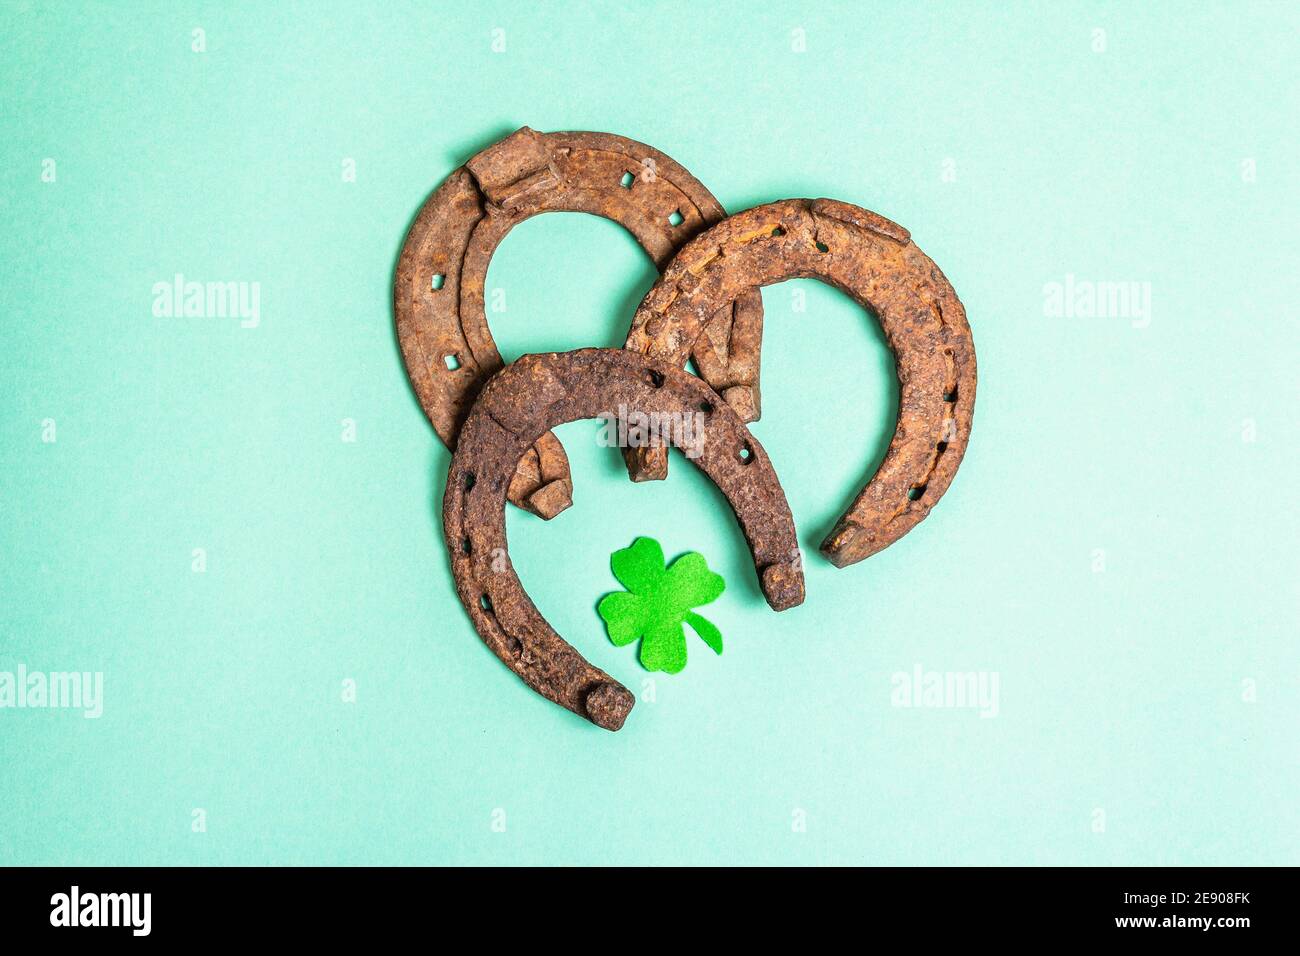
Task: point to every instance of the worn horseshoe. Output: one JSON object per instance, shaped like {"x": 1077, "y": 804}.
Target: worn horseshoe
{"x": 875, "y": 262}
{"x": 438, "y": 287}
{"x": 521, "y": 403}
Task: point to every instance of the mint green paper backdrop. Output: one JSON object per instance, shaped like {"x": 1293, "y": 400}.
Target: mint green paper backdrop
{"x": 1118, "y": 548}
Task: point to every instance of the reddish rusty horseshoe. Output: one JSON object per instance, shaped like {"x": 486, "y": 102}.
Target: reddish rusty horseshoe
{"x": 438, "y": 289}
{"x": 875, "y": 262}
{"x": 523, "y": 402}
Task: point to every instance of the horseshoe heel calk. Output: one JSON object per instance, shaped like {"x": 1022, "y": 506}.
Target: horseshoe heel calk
{"x": 607, "y": 705}
{"x": 538, "y": 393}
{"x": 875, "y": 262}
{"x": 646, "y": 464}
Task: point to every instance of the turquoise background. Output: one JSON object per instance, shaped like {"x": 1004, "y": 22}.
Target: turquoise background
{"x": 1121, "y": 690}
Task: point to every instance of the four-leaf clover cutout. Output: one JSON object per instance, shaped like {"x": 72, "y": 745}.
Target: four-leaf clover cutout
{"x": 658, "y": 600}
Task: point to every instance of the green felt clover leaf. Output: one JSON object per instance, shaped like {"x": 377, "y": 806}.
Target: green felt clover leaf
{"x": 658, "y": 601}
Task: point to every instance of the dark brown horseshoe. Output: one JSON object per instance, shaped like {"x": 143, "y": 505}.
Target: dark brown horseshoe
{"x": 524, "y": 401}
{"x": 438, "y": 289}
{"x": 874, "y": 261}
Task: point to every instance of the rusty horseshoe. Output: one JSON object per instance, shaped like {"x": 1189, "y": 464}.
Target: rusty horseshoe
{"x": 523, "y": 402}
{"x": 439, "y": 282}
{"x": 875, "y": 262}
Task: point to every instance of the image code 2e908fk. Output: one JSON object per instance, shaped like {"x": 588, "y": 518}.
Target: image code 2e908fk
{"x": 1200, "y": 897}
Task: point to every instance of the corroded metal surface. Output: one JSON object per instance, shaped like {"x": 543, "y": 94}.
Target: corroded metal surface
{"x": 874, "y": 261}
{"x": 523, "y": 402}
{"x": 438, "y": 293}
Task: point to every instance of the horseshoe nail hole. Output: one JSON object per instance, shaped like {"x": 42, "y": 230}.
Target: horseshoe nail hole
{"x": 466, "y": 546}
{"x": 627, "y": 181}
{"x": 452, "y": 361}
{"x": 676, "y": 218}
{"x": 706, "y": 407}
{"x": 513, "y": 646}
{"x": 915, "y": 492}
{"x": 941, "y": 447}
{"x": 469, "y": 481}
{"x": 822, "y": 247}
{"x": 778, "y": 232}
{"x": 950, "y": 396}
{"x": 656, "y": 379}
{"x": 438, "y": 281}
{"x": 485, "y": 603}
{"x": 745, "y": 455}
